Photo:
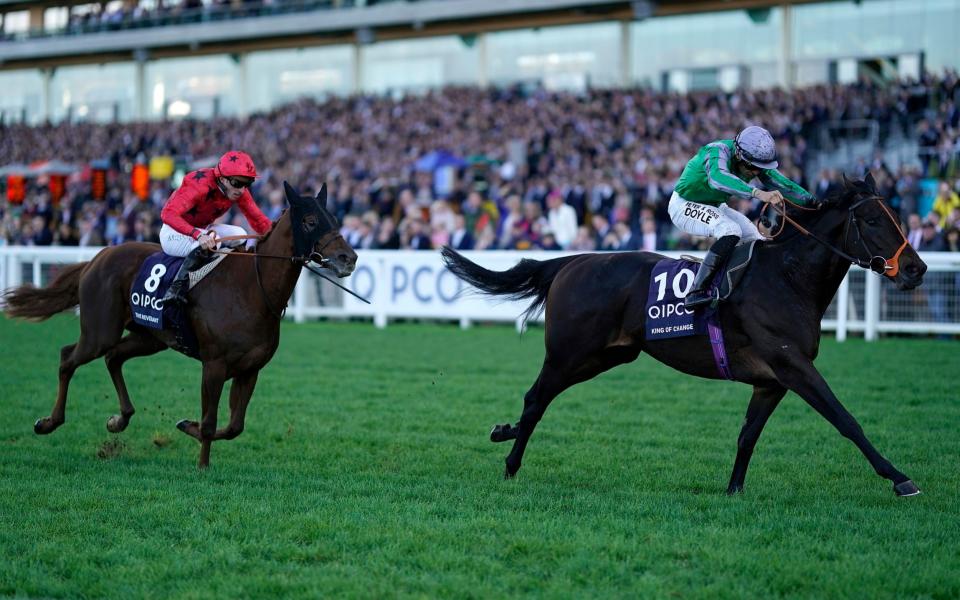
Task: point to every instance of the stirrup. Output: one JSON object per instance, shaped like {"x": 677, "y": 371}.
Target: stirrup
{"x": 709, "y": 297}
{"x": 176, "y": 298}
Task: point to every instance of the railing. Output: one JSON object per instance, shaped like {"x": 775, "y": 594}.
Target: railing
{"x": 408, "y": 284}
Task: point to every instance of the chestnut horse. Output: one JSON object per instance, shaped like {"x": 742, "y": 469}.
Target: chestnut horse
{"x": 595, "y": 318}
{"x": 235, "y": 312}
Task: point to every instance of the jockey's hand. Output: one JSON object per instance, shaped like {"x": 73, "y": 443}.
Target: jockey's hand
{"x": 773, "y": 197}
{"x": 208, "y": 241}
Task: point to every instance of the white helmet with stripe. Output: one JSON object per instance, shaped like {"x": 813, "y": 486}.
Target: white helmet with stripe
{"x": 755, "y": 145}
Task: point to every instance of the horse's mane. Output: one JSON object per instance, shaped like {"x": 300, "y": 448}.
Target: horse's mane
{"x": 848, "y": 189}
{"x": 273, "y": 227}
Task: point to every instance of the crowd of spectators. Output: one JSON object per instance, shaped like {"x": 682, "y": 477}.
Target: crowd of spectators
{"x": 525, "y": 169}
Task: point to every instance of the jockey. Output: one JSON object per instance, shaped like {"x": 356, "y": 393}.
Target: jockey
{"x": 205, "y": 195}
{"x": 722, "y": 169}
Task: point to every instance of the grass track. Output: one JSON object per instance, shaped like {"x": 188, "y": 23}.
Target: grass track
{"x": 365, "y": 471}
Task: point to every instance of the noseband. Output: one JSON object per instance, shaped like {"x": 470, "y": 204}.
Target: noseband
{"x": 318, "y": 253}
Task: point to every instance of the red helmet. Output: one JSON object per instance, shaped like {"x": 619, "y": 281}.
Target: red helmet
{"x": 236, "y": 164}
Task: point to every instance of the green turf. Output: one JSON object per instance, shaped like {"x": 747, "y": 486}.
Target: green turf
{"x": 365, "y": 471}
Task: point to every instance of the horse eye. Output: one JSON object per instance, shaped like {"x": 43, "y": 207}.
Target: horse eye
{"x": 872, "y": 221}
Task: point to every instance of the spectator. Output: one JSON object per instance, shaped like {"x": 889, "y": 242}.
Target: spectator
{"x": 121, "y": 233}
{"x": 914, "y": 231}
{"x": 387, "y": 237}
{"x": 585, "y": 240}
{"x": 461, "y": 238}
{"x": 89, "y": 234}
{"x": 413, "y": 236}
{"x": 562, "y": 219}
{"x": 931, "y": 240}
{"x": 826, "y": 185}
{"x": 944, "y": 204}
{"x": 65, "y": 235}
{"x": 649, "y": 241}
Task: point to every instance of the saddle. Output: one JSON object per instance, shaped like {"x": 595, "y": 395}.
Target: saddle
{"x": 149, "y": 286}
{"x": 732, "y": 272}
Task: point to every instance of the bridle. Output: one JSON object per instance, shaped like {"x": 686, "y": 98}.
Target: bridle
{"x": 876, "y": 263}
{"x": 315, "y": 256}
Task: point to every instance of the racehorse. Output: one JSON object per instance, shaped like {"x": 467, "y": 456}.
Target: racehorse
{"x": 235, "y": 313}
{"x": 595, "y": 317}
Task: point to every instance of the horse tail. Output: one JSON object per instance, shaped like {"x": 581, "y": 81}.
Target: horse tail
{"x": 38, "y": 304}
{"x": 527, "y": 279}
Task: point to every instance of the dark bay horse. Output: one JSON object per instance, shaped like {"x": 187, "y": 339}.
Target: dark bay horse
{"x": 235, "y": 312}
{"x": 595, "y": 316}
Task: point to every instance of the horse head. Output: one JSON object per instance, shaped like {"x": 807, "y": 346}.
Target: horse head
{"x": 316, "y": 232}
{"x": 873, "y": 235}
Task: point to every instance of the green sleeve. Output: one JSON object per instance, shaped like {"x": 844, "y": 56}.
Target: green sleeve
{"x": 716, "y": 165}
{"x": 773, "y": 178}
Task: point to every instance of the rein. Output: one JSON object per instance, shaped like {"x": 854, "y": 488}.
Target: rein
{"x": 878, "y": 264}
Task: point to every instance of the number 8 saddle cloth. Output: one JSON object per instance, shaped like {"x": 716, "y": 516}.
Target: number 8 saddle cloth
{"x": 150, "y": 285}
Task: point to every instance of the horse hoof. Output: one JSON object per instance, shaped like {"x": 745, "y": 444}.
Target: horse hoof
{"x": 906, "y": 488}
{"x": 500, "y": 433}
{"x": 733, "y": 490}
{"x": 507, "y": 475}
{"x": 115, "y": 424}
{"x": 43, "y": 426}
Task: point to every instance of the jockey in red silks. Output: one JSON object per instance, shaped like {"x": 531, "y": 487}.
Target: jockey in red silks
{"x": 205, "y": 195}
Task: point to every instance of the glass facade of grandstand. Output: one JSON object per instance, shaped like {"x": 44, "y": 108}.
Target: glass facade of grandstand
{"x": 796, "y": 45}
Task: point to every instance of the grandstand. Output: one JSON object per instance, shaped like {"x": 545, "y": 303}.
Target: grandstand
{"x": 147, "y": 59}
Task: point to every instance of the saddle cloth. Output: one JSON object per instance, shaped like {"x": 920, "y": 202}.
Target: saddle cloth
{"x": 667, "y": 317}
{"x": 150, "y": 285}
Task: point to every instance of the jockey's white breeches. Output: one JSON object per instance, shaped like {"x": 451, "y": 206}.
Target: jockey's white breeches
{"x": 175, "y": 243}
{"x": 711, "y": 221}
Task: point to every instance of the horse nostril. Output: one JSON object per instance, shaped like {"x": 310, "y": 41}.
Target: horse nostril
{"x": 343, "y": 258}
{"x": 915, "y": 270}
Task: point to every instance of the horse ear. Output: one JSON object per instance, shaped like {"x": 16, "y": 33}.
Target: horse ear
{"x": 870, "y": 181}
{"x": 846, "y": 182}
{"x": 291, "y": 194}
{"x": 322, "y": 196}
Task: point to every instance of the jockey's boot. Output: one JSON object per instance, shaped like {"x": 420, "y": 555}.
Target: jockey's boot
{"x": 716, "y": 257}
{"x": 177, "y": 294}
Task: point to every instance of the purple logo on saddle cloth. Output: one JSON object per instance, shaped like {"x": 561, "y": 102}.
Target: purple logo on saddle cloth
{"x": 670, "y": 282}
{"x": 155, "y": 276}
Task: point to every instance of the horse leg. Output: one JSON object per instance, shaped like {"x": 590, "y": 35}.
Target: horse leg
{"x": 548, "y": 386}
{"x": 241, "y": 391}
{"x": 803, "y": 378}
{"x": 133, "y": 345}
{"x": 550, "y": 383}
{"x": 72, "y": 356}
{"x": 764, "y": 401}
{"x": 214, "y": 375}
{"x": 57, "y": 416}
